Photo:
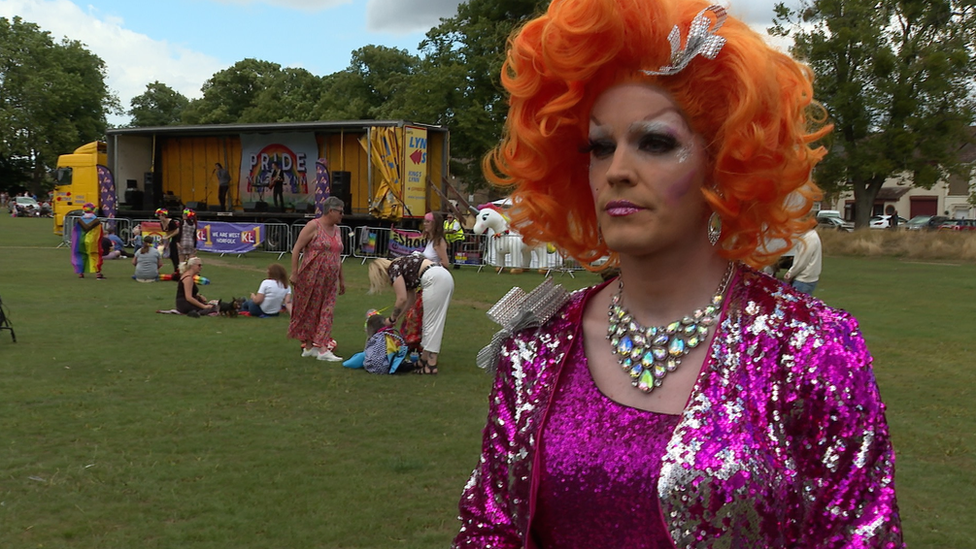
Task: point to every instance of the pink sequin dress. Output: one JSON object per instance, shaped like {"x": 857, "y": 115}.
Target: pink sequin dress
{"x": 315, "y": 289}
{"x": 783, "y": 442}
{"x": 600, "y": 465}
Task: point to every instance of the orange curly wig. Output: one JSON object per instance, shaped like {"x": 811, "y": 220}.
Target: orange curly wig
{"x": 752, "y": 105}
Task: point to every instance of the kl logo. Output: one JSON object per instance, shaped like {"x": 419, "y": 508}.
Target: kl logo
{"x": 249, "y": 237}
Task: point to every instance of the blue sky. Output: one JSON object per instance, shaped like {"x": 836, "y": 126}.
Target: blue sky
{"x": 182, "y": 43}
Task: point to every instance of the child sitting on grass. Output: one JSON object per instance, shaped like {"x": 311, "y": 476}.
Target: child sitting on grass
{"x": 385, "y": 349}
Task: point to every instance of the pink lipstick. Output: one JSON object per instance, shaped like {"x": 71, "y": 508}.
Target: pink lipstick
{"x": 620, "y": 208}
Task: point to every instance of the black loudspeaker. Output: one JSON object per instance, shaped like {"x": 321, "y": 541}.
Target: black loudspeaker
{"x": 134, "y": 198}
{"x": 251, "y": 207}
{"x": 149, "y": 192}
{"x": 197, "y": 206}
{"x": 342, "y": 189}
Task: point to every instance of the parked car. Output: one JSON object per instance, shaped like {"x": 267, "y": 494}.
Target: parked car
{"x": 25, "y": 206}
{"x": 835, "y": 224}
{"x": 925, "y": 222}
{"x": 828, "y": 213}
{"x": 883, "y": 221}
{"x": 958, "y": 225}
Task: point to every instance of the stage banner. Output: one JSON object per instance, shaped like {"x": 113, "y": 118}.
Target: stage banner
{"x": 405, "y": 242}
{"x": 229, "y": 238}
{"x": 295, "y": 153}
{"x": 415, "y": 171}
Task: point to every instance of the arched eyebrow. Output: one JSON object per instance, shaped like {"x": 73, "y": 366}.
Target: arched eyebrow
{"x": 650, "y": 117}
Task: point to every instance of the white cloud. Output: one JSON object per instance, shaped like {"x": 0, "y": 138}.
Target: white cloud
{"x": 132, "y": 59}
{"x": 757, "y": 13}
{"x": 407, "y": 16}
{"x": 304, "y": 5}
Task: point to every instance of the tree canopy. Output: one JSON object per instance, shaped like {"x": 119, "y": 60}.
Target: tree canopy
{"x": 53, "y": 97}
{"x": 461, "y": 75}
{"x": 455, "y": 82}
{"x": 159, "y": 105}
{"x": 896, "y": 78}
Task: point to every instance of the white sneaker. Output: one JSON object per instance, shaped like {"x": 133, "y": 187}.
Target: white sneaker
{"x": 311, "y": 351}
{"x": 327, "y": 355}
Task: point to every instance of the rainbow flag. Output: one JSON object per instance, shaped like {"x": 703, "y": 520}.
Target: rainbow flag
{"x": 86, "y": 246}
{"x": 197, "y": 279}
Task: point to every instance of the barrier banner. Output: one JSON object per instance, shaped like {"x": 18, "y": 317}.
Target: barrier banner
{"x": 367, "y": 242}
{"x": 405, "y": 242}
{"x": 229, "y": 238}
{"x": 467, "y": 258}
{"x": 151, "y": 228}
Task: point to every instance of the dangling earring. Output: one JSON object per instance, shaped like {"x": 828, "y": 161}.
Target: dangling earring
{"x": 599, "y": 234}
{"x": 714, "y": 228}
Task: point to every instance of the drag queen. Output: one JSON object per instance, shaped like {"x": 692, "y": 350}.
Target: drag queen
{"x": 692, "y": 402}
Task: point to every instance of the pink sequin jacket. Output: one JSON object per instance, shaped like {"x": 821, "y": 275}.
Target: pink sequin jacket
{"x": 783, "y": 443}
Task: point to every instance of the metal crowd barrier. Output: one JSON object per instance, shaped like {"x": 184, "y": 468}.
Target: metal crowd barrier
{"x": 346, "y": 234}
{"x": 277, "y": 239}
{"x": 365, "y": 243}
{"x": 374, "y": 242}
{"x": 121, "y": 225}
{"x": 371, "y": 243}
{"x": 508, "y": 251}
{"x": 475, "y": 251}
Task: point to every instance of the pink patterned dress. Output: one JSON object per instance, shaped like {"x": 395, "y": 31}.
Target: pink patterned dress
{"x": 315, "y": 288}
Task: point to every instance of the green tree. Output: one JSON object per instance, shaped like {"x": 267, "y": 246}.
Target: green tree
{"x": 159, "y": 105}
{"x": 252, "y": 90}
{"x": 374, "y": 86}
{"x": 896, "y": 77}
{"x": 53, "y": 97}
{"x": 231, "y": 92}
{"x": 459, "y": 80}
{"x": 290, "y": 95}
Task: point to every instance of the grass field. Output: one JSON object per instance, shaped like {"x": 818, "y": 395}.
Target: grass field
{"x": 122, "y": 428}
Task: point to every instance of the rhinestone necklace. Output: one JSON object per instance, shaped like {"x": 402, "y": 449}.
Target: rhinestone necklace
{"x": 650, "y": 354}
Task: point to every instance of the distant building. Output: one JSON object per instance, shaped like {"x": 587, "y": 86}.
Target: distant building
{"x": 950, "y": 198}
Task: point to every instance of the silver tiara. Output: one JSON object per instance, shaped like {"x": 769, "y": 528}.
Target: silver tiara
{"x": 702, "y": 41}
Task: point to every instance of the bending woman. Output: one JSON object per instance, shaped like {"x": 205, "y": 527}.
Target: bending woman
{"x": 171, "y": 236}
{"x": 691, "y": 402}
{"x": 436, "y": 251}
{"x": 407, "y": 274}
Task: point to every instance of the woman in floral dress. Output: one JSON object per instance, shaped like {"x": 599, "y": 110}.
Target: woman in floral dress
{"x": 316, "y": 282}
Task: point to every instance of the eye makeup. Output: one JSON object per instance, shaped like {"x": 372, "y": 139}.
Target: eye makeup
{"x": 681, "y": 187}
{"x": 661, "y": 137}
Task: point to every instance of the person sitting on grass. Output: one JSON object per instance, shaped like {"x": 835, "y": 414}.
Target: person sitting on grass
{"x": 189, "y": 301}
{"x": 147, "y": 262}
{"x": 271, "y": 295}
{"x": 116, "y": 242}
{"x": 385, "y": 349}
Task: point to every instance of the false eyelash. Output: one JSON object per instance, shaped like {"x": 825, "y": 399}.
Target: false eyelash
{"x": 594, "y": 145}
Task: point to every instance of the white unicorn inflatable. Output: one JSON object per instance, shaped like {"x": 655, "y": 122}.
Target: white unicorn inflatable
{"x": 502, "y": 241}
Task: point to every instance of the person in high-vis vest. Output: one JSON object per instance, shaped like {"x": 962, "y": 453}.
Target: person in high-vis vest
{"x": 454, "y": 234}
